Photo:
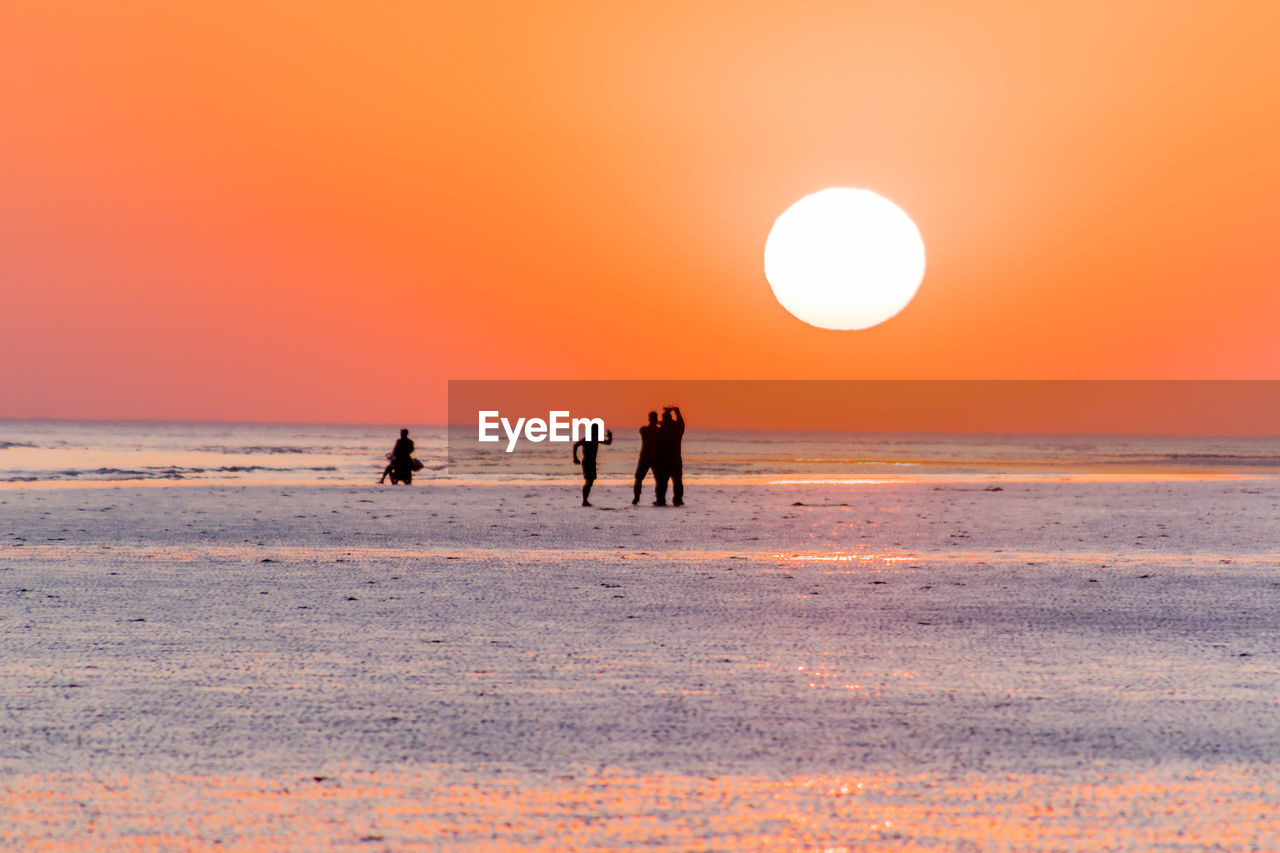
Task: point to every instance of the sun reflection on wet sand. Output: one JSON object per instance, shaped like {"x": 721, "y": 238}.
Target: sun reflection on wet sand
{"x": 1229, "y": 807}
{"x": 864, "y": 560}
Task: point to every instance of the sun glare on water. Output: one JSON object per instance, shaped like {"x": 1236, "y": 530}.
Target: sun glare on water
{"x": 844, "y": 258}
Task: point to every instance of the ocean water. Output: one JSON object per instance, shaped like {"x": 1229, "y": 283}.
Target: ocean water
{"x": 95, "y": 452}
{"x": 133, "y": 452}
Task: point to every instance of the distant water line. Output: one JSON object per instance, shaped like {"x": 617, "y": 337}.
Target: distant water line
{"x": 45, "y": 453}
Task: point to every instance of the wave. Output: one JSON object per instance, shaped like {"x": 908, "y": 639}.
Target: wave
{"x": 239, "y": 468}
{"x": 254, "y": 449}
{"x": 283, "y": 449}
{"x": 1242, "y": 460}
{"x": 1219, "y": 458}
{"x": 172, "y": 472}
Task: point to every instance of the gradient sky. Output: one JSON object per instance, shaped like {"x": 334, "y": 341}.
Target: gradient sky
{"x": 310, "y": 211}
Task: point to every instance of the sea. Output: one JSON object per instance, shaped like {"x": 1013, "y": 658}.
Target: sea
{"x": 66, "y": 452}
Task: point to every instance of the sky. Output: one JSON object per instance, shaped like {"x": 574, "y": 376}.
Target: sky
{"x": 325, "y": 211}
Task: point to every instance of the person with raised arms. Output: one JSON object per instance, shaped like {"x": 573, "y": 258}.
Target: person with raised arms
{"x": 668, "y": 465}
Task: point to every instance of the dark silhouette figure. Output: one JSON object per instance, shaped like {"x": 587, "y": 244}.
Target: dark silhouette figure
{"x": 590, "y": 447}
{"x": 402, "y": 464}
{"x": 648, "y": 454}
{"x": 668, "y": 464}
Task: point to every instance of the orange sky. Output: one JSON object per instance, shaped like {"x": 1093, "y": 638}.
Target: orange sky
{"x": 219, "y": 210}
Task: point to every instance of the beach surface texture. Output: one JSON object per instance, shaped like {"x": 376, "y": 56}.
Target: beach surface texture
{"x": 926, "y": 664}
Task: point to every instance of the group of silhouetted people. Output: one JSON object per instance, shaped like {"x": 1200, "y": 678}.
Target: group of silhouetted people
{"x": 659, "y": 453}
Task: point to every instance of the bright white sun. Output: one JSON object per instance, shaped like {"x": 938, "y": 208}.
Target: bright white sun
{"x": 844, "y": 258}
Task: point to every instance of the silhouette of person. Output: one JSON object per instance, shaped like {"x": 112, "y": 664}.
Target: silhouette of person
{"x": 400, "y": 467}
{"x": 669, "y": 465}
{"x": 590, "y": 447}
{"x": 648, "y": 454}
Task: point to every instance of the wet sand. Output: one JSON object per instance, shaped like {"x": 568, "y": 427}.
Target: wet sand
{"x": 921, "y": 665}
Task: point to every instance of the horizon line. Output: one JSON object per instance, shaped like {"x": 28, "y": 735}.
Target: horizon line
{"x": 447, "y": 426}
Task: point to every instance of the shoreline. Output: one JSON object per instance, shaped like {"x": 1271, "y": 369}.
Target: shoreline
{"x": 1182, "y": 475}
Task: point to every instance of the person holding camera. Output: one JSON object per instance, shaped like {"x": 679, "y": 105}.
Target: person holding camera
{"x": 668, "y": 464}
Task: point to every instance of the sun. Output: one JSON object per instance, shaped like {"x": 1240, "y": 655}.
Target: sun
{"x": 844, "y": 258}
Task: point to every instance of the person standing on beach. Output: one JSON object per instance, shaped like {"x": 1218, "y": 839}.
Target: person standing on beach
{"x": 648, "y": 454}
{"x": 590, "y": 447}
{"x": 669, "y": 465}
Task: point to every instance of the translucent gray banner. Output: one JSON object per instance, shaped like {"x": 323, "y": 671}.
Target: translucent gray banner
{"x": 744, "y": 428}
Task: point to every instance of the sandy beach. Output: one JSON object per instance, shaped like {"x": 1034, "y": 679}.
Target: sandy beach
{"x": 924, "y": 665}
